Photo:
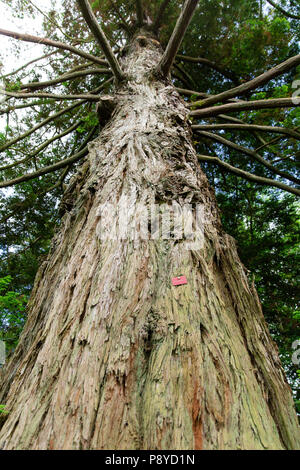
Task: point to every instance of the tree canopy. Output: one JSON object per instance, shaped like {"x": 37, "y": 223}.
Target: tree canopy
{"x": 237, "y": 68}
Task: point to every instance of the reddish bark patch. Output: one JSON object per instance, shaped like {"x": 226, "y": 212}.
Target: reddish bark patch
{"x": 197, "y": 420}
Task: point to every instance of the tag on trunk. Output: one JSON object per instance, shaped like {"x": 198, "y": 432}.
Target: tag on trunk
{"x": 178, "y": 281}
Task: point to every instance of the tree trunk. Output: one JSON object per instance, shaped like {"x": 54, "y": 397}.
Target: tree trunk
{"x": 113, "y": 356}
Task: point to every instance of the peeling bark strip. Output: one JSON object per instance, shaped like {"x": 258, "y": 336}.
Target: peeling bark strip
{"x": 113, "y": 356}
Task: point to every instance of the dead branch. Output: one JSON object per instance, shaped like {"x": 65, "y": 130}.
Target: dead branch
{"x": 177, "y": 36}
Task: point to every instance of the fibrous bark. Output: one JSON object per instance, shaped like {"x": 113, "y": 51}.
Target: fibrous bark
{"x": 113, "y": 356}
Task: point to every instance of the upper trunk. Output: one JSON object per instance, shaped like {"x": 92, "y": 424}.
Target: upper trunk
{"x": 113, "y": 355}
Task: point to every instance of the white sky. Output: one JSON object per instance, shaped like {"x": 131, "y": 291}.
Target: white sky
{"x": 25, "y": 25}
{"x": 12, "y": 60}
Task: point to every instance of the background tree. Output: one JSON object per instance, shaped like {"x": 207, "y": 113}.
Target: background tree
{"x": 226, "y": 47}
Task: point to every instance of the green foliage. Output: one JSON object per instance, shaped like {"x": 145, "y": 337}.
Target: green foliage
{"x": 3, "y": 411}
{"x": 12, "y": 313}
{"x": 89, "y": 121}
{"x": 13, "y": 86}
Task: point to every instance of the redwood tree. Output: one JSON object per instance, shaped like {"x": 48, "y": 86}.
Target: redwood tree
{"x": 113, "y": 355}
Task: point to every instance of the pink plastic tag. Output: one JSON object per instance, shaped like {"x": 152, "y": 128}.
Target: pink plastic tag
{"x": 178, "y": 281}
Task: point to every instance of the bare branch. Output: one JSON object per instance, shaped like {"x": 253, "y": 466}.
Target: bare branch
{"x": 210, "y": 64}
{"x": 100, "y": 37}
{"x": 185, "y": 74}
{"x": 38, "y": 126}
{"x": 92, "y": 96}
{"x": 160, "y": 14}
{"x": 245, "y": 105}
{"x": 45, "y": 170}
{"x": 51, "y": 20}
{"x": 284, "y": 12}
{"x": 273, "y": 141}
{"x": 249, "y": 152}
{"x": 21, "y": 106}
{"x": 263, "y": 141}
{"x": 67, "y": 169}
{"x": 230, "y": 118}
{"x": 85, "y": 97}
{"x": 139, "y": 12}
{"x": 179, "y": 77}
{"x": 255, "y": 133}
{"x": 60, "y": 180}
{"x": 249, "y": 176}
{"x": 252, "y": 84}
{"x": 45, "y": 56}
{"x": 175, "y": 40}
{"x": 186, "y": 92}
{"x": 64, "y": 78}
{"x": 189, "y": 92}
{"x": 41, "y": 147}
{"x": 51, "y": 43}
{"x": 84, "y": 65}
{"x": 249, "y": 127}
{"x": 81, "y": 152}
